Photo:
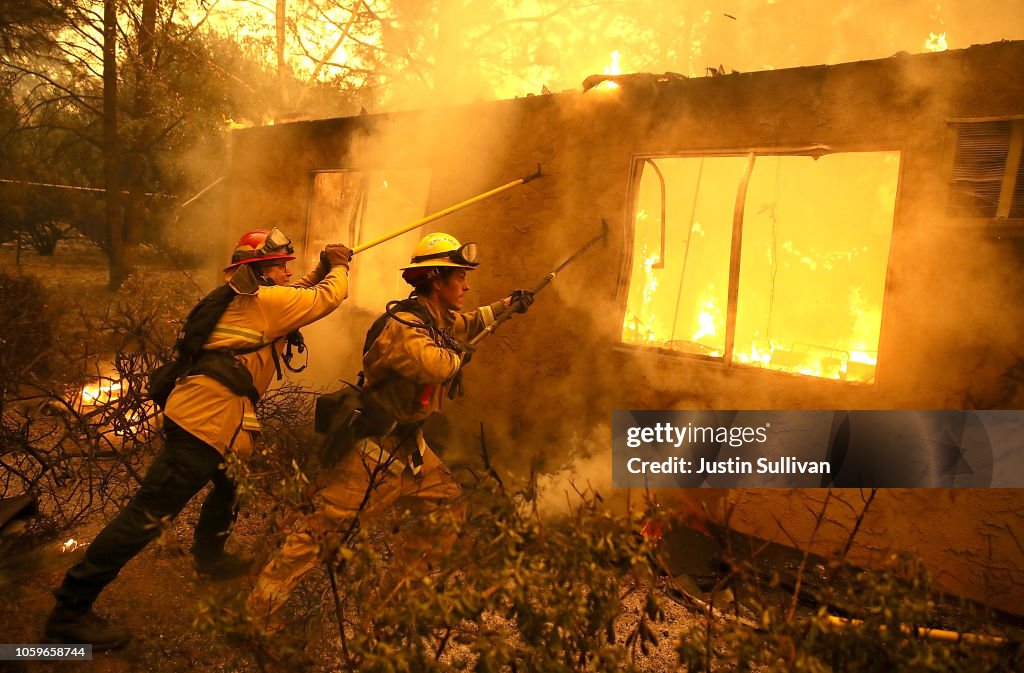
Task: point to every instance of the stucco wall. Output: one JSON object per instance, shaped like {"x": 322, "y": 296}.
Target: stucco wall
{"x": 952, "y": 312}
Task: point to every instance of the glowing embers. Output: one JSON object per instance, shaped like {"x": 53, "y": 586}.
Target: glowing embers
{"x": 810, "y": 271}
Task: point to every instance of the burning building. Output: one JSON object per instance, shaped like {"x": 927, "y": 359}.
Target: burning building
{"x": 828, "y": 237}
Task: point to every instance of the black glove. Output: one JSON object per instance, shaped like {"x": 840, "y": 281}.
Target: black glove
{"x": 336, "y": 254}
{"x": 466, "y": 351}
{"x": 520, "y": 300}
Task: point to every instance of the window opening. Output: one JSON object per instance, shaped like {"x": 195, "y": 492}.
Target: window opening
{"x": 769, "y": 261}
{"x": 356, "y": 206}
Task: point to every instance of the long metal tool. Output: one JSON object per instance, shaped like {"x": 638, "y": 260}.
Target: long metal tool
{"x": 507, "y": 315}
{"x": 447, "y": 211}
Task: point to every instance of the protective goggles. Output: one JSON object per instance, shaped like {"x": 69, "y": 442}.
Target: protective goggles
{"x": 276, "y": 243}
{"x": 466, "y": 255}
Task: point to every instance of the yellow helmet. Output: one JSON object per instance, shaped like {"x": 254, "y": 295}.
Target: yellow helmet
{"x": 441, "y": 249}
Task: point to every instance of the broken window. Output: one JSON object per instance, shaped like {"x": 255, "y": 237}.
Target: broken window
{"x": 354, "y": 207}
{"x": 770, "y": 261}
{"x": 987, "y": 180}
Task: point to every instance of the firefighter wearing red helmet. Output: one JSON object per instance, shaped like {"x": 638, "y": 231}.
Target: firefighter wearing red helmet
{"x": 412, "y": 357}
{"x": 205, "y": 418}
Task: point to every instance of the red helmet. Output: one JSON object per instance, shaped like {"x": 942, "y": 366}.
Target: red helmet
{"x": 260, "y": 245}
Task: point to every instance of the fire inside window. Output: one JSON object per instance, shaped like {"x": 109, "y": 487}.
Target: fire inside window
{"x": 353, "y": 207}
{"x": 768, "y": 261}
{"x": 988, "y": 170}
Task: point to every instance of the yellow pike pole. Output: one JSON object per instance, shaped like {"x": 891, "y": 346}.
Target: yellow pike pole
{"x": 924, "y": 632}
{"x": 447, "y": 211}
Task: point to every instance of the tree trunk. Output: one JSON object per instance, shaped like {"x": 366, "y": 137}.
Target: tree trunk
{"x": 280, "y": 17}
{"x": 111, "y": 146}
{"x": 138, "y": 155}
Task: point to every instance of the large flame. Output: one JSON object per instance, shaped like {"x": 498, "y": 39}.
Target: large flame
{"x": 810, "y": 297}
{"x": 936, "y": 42}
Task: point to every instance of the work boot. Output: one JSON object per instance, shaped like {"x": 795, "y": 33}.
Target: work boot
{"x": 222, "y": 567}
{"x": 67, "y": 625}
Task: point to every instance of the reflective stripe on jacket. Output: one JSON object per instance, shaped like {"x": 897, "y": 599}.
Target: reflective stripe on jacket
{"x": 404, "y": 360}
{"x": 211, "y": 412}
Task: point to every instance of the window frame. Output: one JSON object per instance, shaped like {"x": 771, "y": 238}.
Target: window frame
{"x": 311, "y": 193}
{"x": 727, "y": 360}
{"x": 355, "y": 226}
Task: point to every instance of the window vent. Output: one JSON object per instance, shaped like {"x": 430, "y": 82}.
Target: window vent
{"x": 987, "y": 180}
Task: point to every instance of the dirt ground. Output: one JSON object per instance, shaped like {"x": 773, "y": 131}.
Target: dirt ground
{"x": 156, "y": 597}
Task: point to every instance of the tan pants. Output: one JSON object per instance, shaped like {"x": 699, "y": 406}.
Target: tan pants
{"x": 366, "y": 482}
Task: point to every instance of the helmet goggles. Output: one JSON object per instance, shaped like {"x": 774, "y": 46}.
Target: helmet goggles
{"x": 466, "y": 255}
{"x": 276, "y": 243}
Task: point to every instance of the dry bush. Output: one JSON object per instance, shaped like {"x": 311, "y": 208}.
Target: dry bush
{"x": 76, "y": 429}
{"x": 518, "y": 591}
{"x": 781, "y": 619}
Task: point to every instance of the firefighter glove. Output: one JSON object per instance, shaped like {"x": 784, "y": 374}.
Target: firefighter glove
{"x": 336, "y": 254}
{"x": 466, "y": 352}
{"x": 520, "y": 300}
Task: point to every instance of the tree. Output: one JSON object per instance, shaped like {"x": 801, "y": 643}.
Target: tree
{"x": 29, "y": 24}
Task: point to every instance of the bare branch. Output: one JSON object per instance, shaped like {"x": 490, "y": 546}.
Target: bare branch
{"x": 79, "y": 100}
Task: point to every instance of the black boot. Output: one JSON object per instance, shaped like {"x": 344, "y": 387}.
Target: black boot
{"x": 79, "y": 625}
{"x": 222, "y": 567}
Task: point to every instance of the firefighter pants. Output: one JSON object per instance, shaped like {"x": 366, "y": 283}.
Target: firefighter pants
{"x": 365, "y": 483}
{"x": 182, "y": 469}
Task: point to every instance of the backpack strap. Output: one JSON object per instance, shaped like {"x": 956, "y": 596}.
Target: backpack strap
{"x": 409, "y": 305}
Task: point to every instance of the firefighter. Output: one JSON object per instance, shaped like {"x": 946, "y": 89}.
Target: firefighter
{"x": 412, "y": 356}
{"x": 203, "y": 421}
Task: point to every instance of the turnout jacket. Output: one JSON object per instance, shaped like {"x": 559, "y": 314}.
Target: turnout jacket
{"x": 407, "y": 372}
{"x": 205, "y": 407}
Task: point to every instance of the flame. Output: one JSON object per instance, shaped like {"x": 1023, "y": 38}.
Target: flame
{"x": 646, "y": 321}
{"x": 126, "y": 421}
{"x": 102, "y": 393}
{"x": 835, "y": 335}
{"x": 654, "y": 531}
{"x": 650, "y": 289}
{"x": 611, "y": 69}
{"x": 71, "y": 545}
{"x": 707, "y": 319}
{"x": 936, "y": 42}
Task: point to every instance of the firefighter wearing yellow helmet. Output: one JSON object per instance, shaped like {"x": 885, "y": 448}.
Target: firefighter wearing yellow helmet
{"x": 412, "y": 356}
{"x": 209, "y": 412}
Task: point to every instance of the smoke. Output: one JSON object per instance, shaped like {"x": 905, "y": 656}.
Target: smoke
{"x": 586, "y": 472}
{"x": 383, "y": 181}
